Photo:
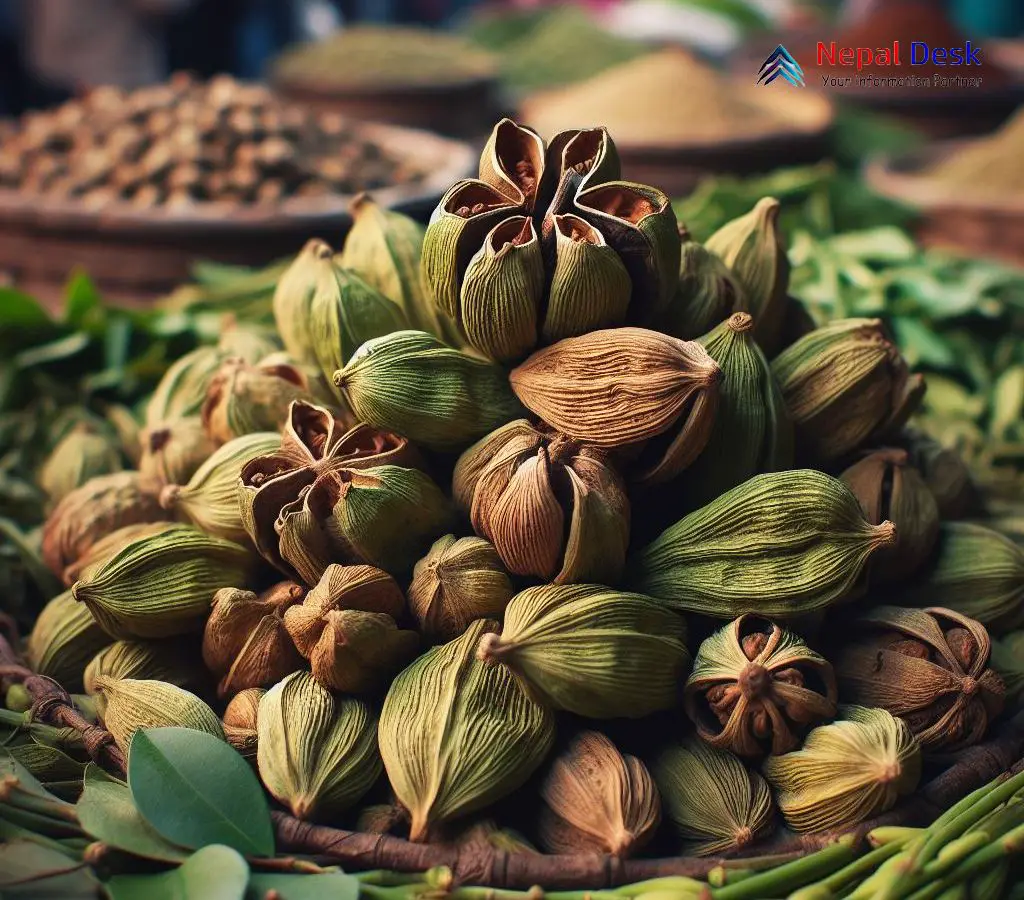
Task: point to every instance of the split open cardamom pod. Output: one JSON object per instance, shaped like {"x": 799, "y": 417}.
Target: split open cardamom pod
{"x": 64, "y": 637}
{"x": 245, "y": 643}
{"x": 845, "y": 384}
{"x": 457, "y": 734}
{"x": 240, "y": 721}
{"x": 782, "y": 544}
{"x": 459, "y": 580}
{"x": 553, "y": 507}
{"x": 846, "y": 772}
{"x": 889, "y": 488}
{"x": 927, "y": 666}
{"x": 708, "y": 293}
{"x": 757, "y": 688}
{"x": 591, "y": 650}
{"x": 716, "y": 804}
{"x": 598, "y": 800}
{"x": 317, "y": 753}
{"x": 620, "y": 387}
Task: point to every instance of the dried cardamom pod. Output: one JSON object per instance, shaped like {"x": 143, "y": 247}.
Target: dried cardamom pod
{"x": 63, "y": 639}
{"x": 244, "y": 398}
{"x": 978, "y": 572}
{"x": 752, "y": 432}
{"x": 342, "y": 587}
{"x": 782, "y": 544}
{"x": 314, "y": 445}
{"x": 591, "y": 650}
{"x": 109, "y": 546}
{"x": 930, "y": 668}
{"x": 240, "y": 721}
{"x": 411, "y": 383}
{"x": 716, "y": 804}
{"x": 317, "y": 753}
{"x": 345, "y": 313}
{"x": 598, "y": 800}
{"x": 753, "y": 248}
{"x": 134, "y": 703}
{"x": 457, "y": 734}
{"x": 173, "y": 451}
{"x": 293, "y": 299}
{"x": 175, "y": 662}
{"x": 459, "y": 580}
{"x": 1007, "y": 660}
{"x": 757, "y": 688}
{"x": 488, "y": 836}
{"x": 622, "y": 386}
{"x": 846, "y": 772}
{"x": 359, "y": 652}
{"x": 845, "y": 384}
{"x": 182, "y": 390}
{"x": 946, "y": 474}
{"x": 889, "y": 488}
{"x": 210, "y": 499}
{"x": 250, "y": 342}
{"x": 100, "y": 506}
{"x": 708, "y": 293}
{"x": 127, "y": 428}
{"x": 553, "y": 507}
{"x": 162, "y": 585}
{"x": 82, "y": 454}
{"x": 245, "y": 643}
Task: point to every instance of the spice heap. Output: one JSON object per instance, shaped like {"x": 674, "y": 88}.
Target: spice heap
{"x": 989, "y": 166}
{"x": 666, "y": 495}
{"x": 186, "y": 142}
{"x": 368, "y": 58}
{"x": 644, "y": 103}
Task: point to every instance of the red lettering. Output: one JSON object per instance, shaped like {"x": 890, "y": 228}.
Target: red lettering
{"x": 895, "y": 53}
{"x": 828, "y": 55}
{"x": 846, "y": 56}
{"x": 864, "y": 57}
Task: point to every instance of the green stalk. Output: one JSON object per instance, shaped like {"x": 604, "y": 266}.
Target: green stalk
{"x": 955, "y": 852}
{"x": 790, "y": 876}
{"x": 13, "y": 794}
{"x": 1009, "y": 844}
{"x": 40, "y": 824}
{"x": 9, "y": 831}
{"x": 720, "y": 876}
{"x": 818, "y": 891}
{"x": 860, "y": 868}
{"x": 888, "y": 834}
{"x": 869, "y": 889}
{"x": 666, "y": 883}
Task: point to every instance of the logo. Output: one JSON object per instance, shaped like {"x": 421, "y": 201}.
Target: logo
{"x": 780, "y": 64}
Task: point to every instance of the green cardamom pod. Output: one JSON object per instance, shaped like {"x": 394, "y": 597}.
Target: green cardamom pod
{"x": 946, "y": 474}
{"x": 707, "y": 294}
{"x": 63, "y": 639}
{"x": 317, "y": 753}
{"x": 293, "y": 299}
{"x": 182, "y": 390}
{"x": 171, "y": 452}
{"x": 592, "y": 650}
{"x": 783, "y": 544}
{"x": 410, "y": 383}
{"x": 457, "y": 734}
{"x": 81, "y": 454}
{"x": 174, "y": 662}
{"x": 1008, "y": 662}
{"x": 46, "y": 763}
{"x": 162, "y": 585}
{"x": 134, "y": 703}
{"x": 250, "y": 342}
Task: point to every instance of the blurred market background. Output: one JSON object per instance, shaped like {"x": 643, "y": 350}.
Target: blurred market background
{"x": 161, "y": 161}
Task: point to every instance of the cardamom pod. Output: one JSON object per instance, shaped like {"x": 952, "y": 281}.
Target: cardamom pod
{"x": 757, "y": 688}
{"x": 63, "y": 639}
{"x": 459, "y": 580}
{"x": 976, "y": 571}
{"x": 409, "y": 382}
{"x": 381, "y": 818}
{"x": 245, "y": 643}
{"x": 782, "y": 544}
{"x": 846, "y": 772}
{"x": 553, "y": 507}
{"x": 109, "y": 546}
{"x": 591, "y": 650}
{"x": 619, "y": 387}
{"x": 182, "y": 389}
{"x": 357, "y": 587}
{"x": 210, "y": 499}
{"x": 175, "y": 662}
{"x": 845, "y": 384}
{"x": 250, "y": 342}
{"x": 160, "y": 586}
{"x": 753, "y": 248}
{"x": 888, "y": 487}
{"x": 457, "y": 734}
{"x": 1007, "y": 660}
{"x": 716, "y": 804}
{"x": 488, "y": 836}
{"x": 317, "y": 753}
{"x": 752, "y": 432}
{"x": 930, "y": 668}
{"x": 173, "y": 451}
{"x": 244, "y": 398}
{"x": 293, "y": 299}
{"x": 47, "y": 764}
{"x": 359, "y": 652}
{"x": 598, "y": 800}
{"x": 100, "y": 506}
{"x": 708, "y": 293}
{"x": 946, "y": 474}
{"x": 134, "y": 703}
{"x": 82, "y": 454}
{"x": 240, "y": 721}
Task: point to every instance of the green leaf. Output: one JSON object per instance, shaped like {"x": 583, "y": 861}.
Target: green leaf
{"x": 30, "y": 870}
{"x": 28, "y": 782}
{"x": 878, "y": 245}
{"x": 921, "y": 345}
{"x": 335, "y": 885}
{"x": 213, "y": 873}
{"x": 19, "y": 310}
{"x": 55, "y": 351}
{"x": 81, "y": 301}
{"x": 107, "y": 813}
{"x": 196, "y": 790}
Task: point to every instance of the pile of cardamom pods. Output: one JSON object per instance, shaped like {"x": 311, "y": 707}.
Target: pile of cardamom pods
{"x": 544, "y": 527}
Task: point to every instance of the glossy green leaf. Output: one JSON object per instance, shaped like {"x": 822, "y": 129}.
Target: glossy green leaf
{"x": 335, "y": 885}
{"x": 107, "y": 813}
{"x": 55, "y": 351}
{"x": 82, "y": 301}
{"x": 213, "y": 873}
{"x": 30, "y": 870}
{"x": 18, "y": 310}
{"x": 196, "y": 790}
